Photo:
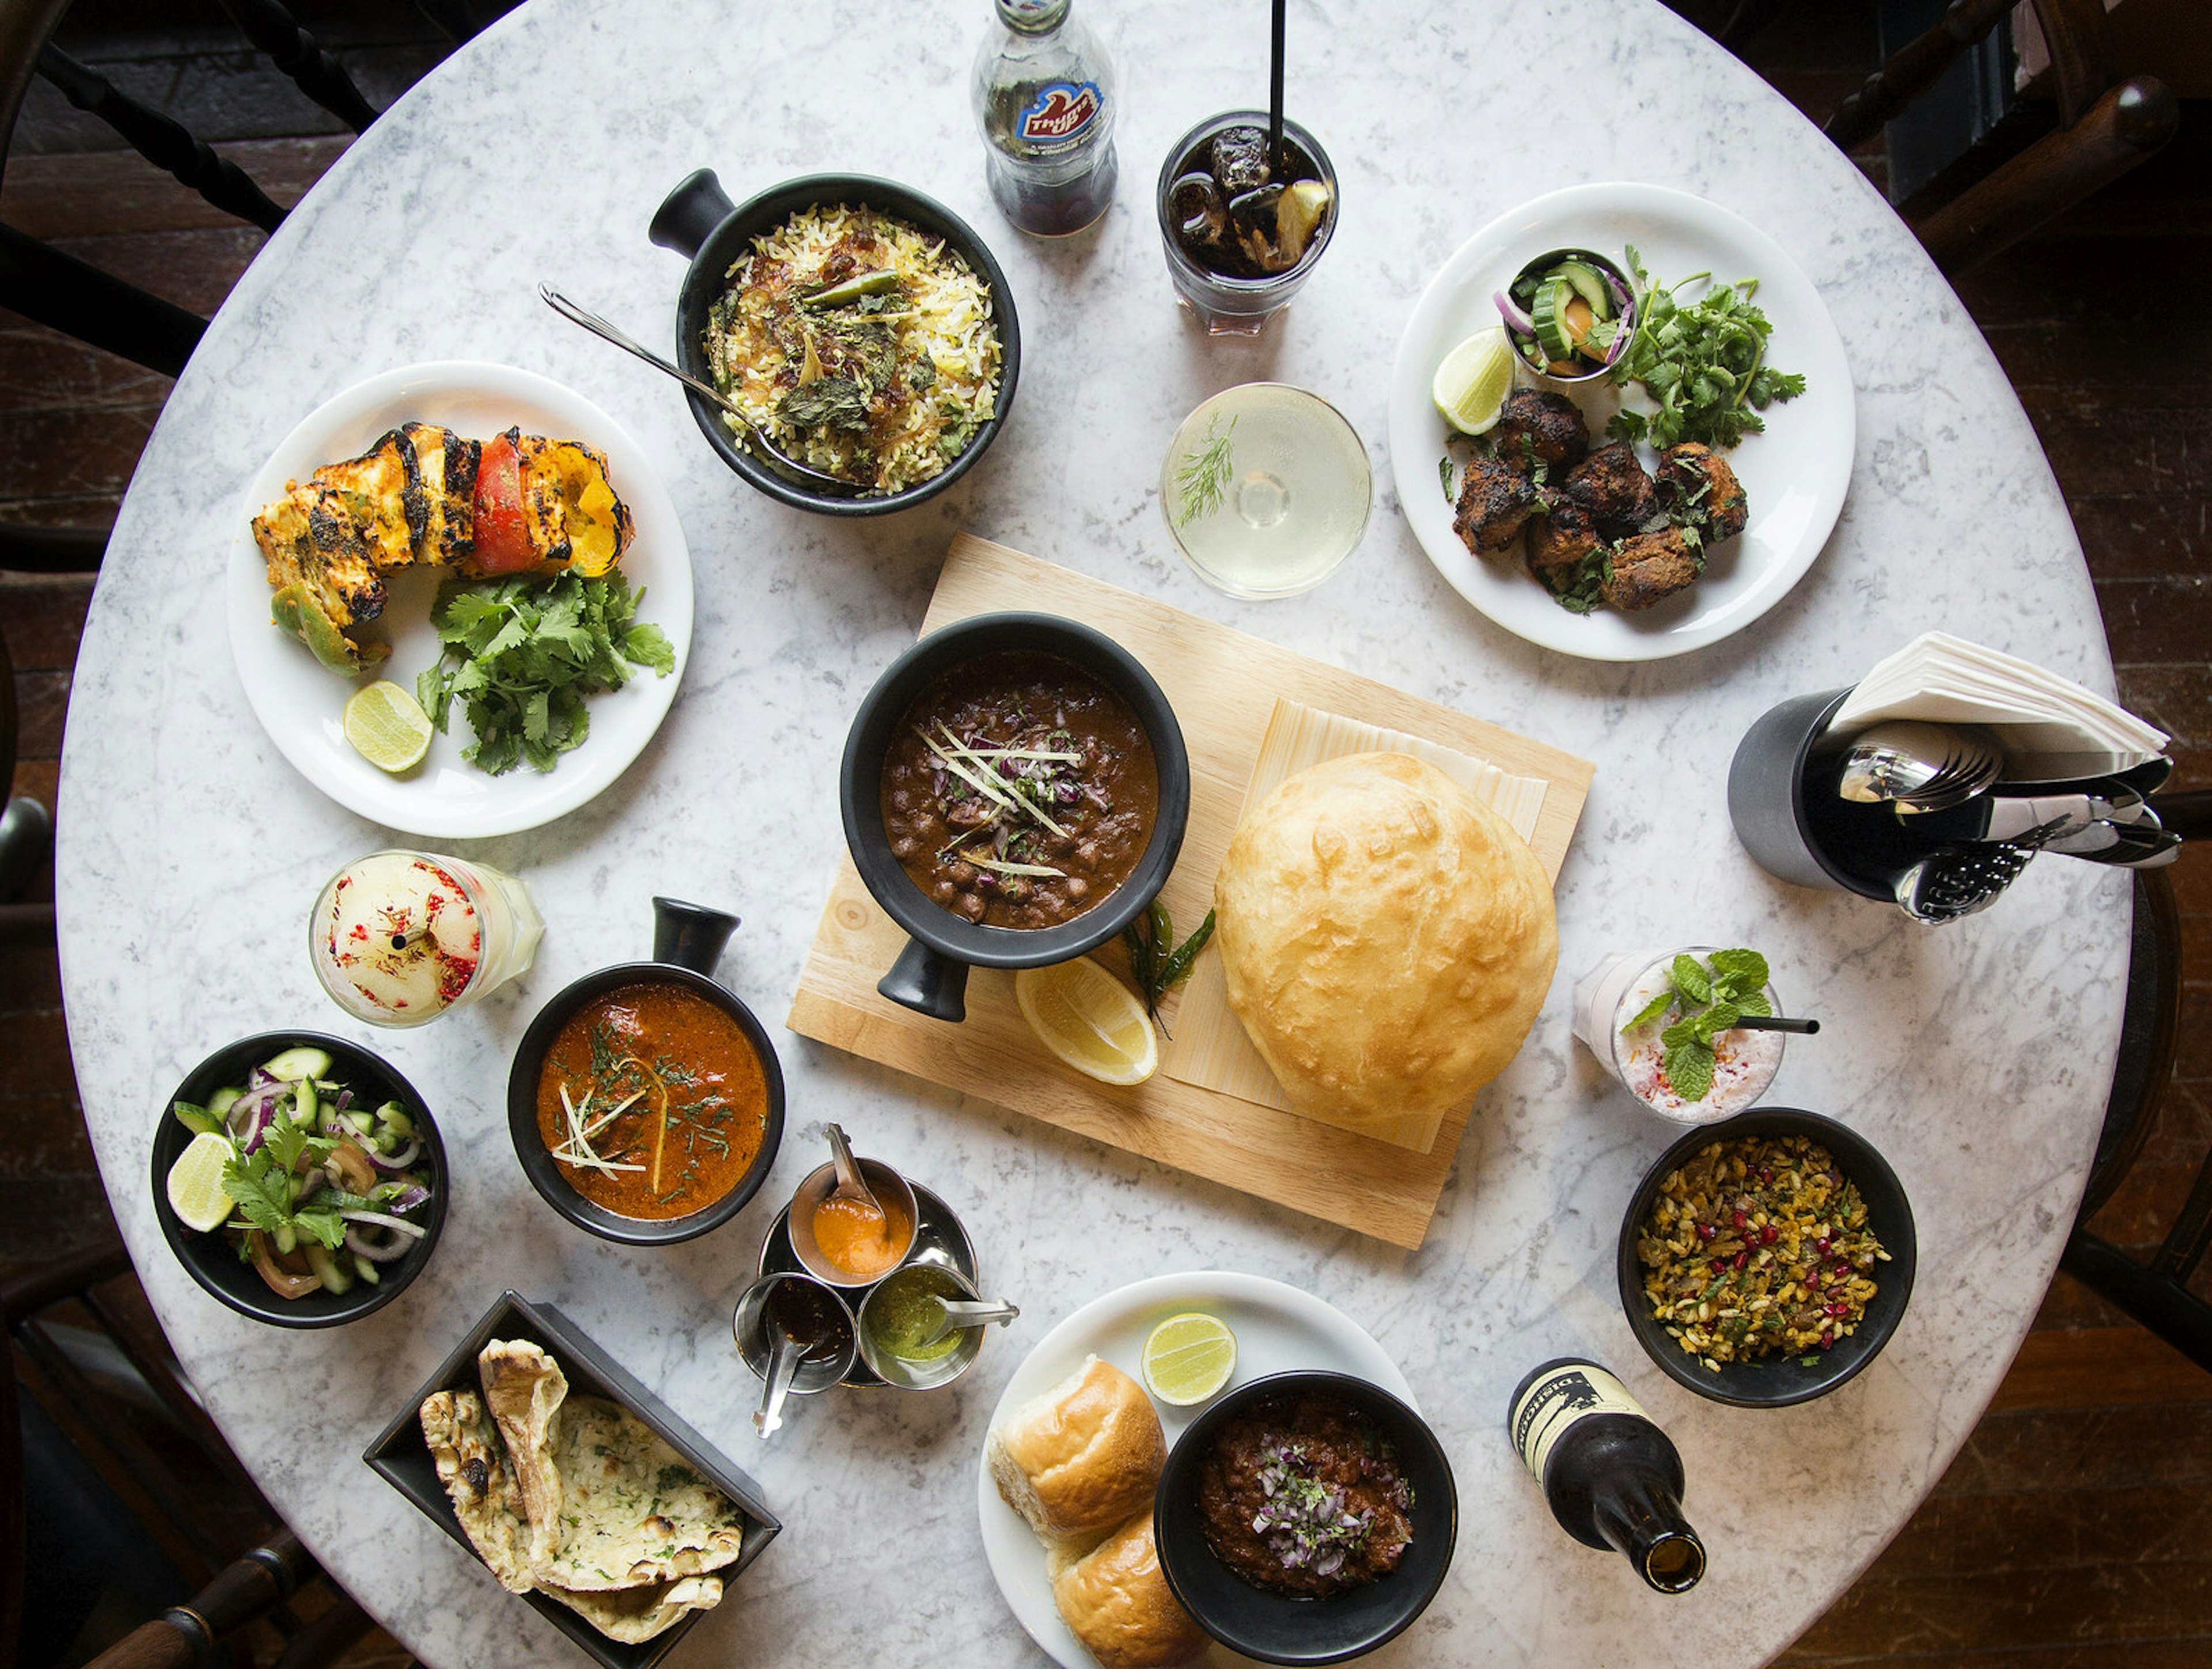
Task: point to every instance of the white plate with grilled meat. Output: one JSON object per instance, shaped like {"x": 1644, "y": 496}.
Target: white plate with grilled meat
{"x": 1279, "y": 1329}
{"x": 300, "y": 701}
{"x": 1794, "y": 474}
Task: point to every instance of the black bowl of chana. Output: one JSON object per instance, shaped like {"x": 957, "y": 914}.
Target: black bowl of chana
{"x": 1014, "y": 790}
{"x": 862, "y": 327}
{"x": 646, "y": 1100}
{"x": 1767, "y": 1259}
{"x": 1306, "y": 1518}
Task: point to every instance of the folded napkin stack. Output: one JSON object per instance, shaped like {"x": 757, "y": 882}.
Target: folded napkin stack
{"x": 2050, "y": 727}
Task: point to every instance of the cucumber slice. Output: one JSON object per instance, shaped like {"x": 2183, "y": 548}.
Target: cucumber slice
{"x": 199, "y": 1120}
{"x": 303, "y": 1062}
{"x": 305, "y": 1111}
{"x": 393, "y": 1116}
{"x": 219, "y": 1103}
{"x": 1589, "y": 283}
{"x": 1549, "y": 316}
{"x": 337, "y": 1278}
{"x": 366, "y": 1270}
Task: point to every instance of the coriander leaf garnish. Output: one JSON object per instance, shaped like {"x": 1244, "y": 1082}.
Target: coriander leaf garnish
{"x": 1202, "y": 476}
{"x": 1704, "y": 363}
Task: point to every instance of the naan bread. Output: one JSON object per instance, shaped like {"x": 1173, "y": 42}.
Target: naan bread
{"x": 632, "y": 1615}
{"x": 464, "y": 1447}
{"x": 633, "y": 1511}
{"x": 523, "y": 1388}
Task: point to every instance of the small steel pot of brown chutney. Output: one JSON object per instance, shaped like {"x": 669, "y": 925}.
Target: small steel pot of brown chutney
{"x": 930, "y": 975}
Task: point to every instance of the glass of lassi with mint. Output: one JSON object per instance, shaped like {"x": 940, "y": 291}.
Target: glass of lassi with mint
{"x": 398, "y": 938}
{"x": 1659, "y": 1021}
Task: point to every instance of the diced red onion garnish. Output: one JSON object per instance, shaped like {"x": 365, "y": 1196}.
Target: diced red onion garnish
{"x": 383, "y": 1221}
{"x": 383, "y": 1249}
{"x": 1511, "y": 312}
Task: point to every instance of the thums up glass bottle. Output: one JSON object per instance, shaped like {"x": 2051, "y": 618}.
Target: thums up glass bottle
{"x": 1044, "y": 97}
{"x": 1612, "y": 1477}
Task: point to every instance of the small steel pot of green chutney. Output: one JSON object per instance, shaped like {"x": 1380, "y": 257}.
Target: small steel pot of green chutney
{"x": 881, "y": 1312}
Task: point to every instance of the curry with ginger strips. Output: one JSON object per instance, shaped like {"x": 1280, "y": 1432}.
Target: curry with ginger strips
{"x": 653, "y": 1101}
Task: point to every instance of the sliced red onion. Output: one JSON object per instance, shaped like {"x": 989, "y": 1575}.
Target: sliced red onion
{"x": 383, "y": 1221}
{"x": 385, "y": 1249}
{"x": 1512, "y": 312}
{"x": 397, "y": 1162}
{"x": 409, "y": 1199}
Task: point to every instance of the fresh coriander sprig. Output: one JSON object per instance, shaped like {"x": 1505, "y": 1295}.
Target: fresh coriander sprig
{"x": 1712, "y": 996}
{"x": 1158, "y": 962}
{"x": 1202, "y": 476}
{"x": 1704, "y": 362}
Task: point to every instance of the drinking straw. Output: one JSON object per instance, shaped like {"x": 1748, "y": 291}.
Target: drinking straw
{"x": 1276, "y": 160}
{"x": 1769, "y": 1023}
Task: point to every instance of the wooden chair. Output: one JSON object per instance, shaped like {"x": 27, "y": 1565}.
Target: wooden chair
{"x": 70, "y": 295}
{"x": 2156, "y": 1293}
{"x": 2106, "y": 124}
{"x": 102, "y": 1388}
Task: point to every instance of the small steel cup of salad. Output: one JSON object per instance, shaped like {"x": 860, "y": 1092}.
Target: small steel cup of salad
{"x": 1569, "y": 313}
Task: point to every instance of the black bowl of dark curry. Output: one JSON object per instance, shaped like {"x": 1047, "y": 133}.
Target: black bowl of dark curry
{"x": 1014, "y": 792}
{"x": 1306, "y": 1518}
{"x": 646, "y": 1100}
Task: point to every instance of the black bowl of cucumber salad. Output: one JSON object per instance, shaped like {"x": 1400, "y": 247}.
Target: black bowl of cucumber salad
{"x": 299, "y": 1179}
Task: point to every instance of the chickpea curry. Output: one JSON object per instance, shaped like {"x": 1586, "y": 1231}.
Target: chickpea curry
{"x": 652, "y": 1101}
{"x": 1019, "y": 791}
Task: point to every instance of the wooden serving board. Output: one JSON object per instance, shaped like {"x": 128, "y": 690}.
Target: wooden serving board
{"x": 1223, "y": 685}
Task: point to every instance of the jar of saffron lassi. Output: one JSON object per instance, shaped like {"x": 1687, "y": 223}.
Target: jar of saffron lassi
{"x": 1621, "y": 1018}
{"x": 398, "y": 938}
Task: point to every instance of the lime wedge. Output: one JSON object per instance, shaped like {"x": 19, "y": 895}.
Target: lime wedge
{"x": 1188, "y": 1358}
{"x": 1090, "y": 1019}
{"x": 1474, "y": 380}
{"x": 387, "y": 726}
{"x": 195, "y": 1192}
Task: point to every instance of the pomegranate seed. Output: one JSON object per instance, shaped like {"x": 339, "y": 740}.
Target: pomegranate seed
{"x": 1737, "y": 1262}
{"x": 1765, "y": 1173}
{"x": 1812, "y": 1280}
{"x": 1742, "y": 1219}
{"x": 1821, "y": 1247}
{"x": 1827, "y": 1340}
{"x": 1706, "y": 1231}
{"x": 1769, "y": 1235}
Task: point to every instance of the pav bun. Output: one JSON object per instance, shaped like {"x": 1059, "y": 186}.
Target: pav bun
{"x": 1081, "y": 1458}
{"x": 1118, "y": 1603}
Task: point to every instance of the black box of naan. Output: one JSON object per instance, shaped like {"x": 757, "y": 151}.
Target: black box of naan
{"x": 401, "y": 1456}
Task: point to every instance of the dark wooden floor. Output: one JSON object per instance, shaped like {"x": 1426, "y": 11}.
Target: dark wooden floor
{"x": 2074, "y": 1531}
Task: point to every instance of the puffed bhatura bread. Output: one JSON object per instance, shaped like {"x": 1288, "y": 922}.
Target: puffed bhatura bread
{"x": 1082, "y": 1457}
{"x": 1119, "y": 1606}
{"x": 1385, "y": 938}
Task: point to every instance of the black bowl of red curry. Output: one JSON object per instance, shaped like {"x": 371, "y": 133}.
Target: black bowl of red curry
{"x": 687, "y": 942}
{"x": 1305, "y": 1628}
{"x": 931, "y": 974}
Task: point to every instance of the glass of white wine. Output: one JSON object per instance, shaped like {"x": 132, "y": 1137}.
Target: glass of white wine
{"x": 1265, "y": 488}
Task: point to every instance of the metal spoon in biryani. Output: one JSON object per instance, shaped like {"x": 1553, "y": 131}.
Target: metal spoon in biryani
{"x": 781, "y": 463}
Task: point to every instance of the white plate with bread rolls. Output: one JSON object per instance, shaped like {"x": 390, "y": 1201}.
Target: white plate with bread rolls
{"x": 1078, "y": 1441}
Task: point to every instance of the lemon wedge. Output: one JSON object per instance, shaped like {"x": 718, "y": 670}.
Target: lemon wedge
{"x": 1090, "y": 1019}
{"x": 195, "y": 1192}
{"x": 1473, "y": 380}
{"x": 387, "y": 726}
{"x": 1188, "y": 1358}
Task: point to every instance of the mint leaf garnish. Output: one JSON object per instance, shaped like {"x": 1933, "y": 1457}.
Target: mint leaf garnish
{"x": 1715, "y": 1021}
{"x": 1690, "y": 1070}
{"x": 1691, "y": 979}
{"x": 1652, "y": 1009}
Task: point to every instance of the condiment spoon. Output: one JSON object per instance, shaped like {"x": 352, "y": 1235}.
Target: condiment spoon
{"x": 960, "y": 1313}
{"x": 784, "y": 1353}
{"x": 850, "y": 1183}
{"x": 782, "y": 463}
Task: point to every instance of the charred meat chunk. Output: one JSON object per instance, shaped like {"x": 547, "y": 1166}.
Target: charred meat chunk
{"x": 1536, "y": 426}
{"x": 1560, "y": 543}
{"x": 1698, "y": 486}
{"x": 1495, "y": 501}
{"x": 1647, "y": 568}
{"x": 1612, "y": 487}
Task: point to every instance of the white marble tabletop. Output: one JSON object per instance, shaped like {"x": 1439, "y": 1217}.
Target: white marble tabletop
{"x": 1975, "y": 1056}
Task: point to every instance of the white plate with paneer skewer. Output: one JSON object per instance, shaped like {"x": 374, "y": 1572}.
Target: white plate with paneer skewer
{"x": 315, "y": 614}
{"x": 1794, "y": 474}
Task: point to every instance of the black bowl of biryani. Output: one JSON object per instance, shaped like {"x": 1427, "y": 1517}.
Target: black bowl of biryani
{"x": 1767, "y": 1259}
{"x": 1306, "y": 1518}
{"x": 863, "y": 327}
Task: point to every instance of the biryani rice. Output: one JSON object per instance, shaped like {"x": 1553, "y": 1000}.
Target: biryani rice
{"x": 921, "y": 351}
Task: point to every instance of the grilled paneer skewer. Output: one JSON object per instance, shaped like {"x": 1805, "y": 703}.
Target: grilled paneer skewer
{"x": 424, "y": 496}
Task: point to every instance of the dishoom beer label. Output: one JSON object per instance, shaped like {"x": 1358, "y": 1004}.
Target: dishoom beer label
{"x": 1061, "y": 112}
{"x": 1556, "y": 1399}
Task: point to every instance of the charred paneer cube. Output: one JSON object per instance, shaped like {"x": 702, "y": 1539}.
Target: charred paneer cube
{"x": 1536, "y": 426}
{"x": 1648, "y": 568}
{"x": 1611, "y": 488}
{"x": 444, "y": 514}
{"x": 1495, "y": 502}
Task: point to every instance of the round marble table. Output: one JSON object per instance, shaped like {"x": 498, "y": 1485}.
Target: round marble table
{"x": 1975, "y": 1056}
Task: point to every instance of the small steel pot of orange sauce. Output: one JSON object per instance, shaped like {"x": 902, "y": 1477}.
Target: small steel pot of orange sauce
{"x": 840, "y": 1241}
